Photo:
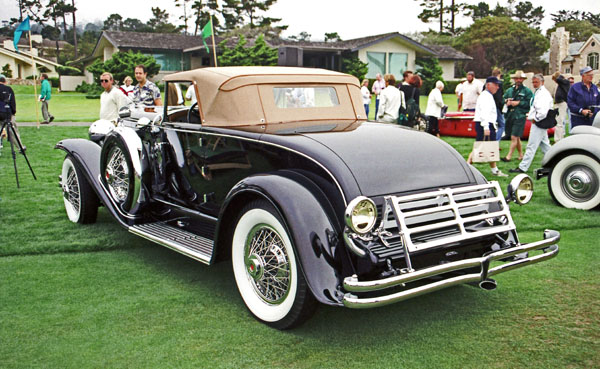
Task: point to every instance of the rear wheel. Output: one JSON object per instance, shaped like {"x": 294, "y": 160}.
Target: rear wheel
{"x": 117, "y": 172}
{"x": 266, "y": 271}
{"x": 574, "y": 182}
{"x": 81, "y": 202}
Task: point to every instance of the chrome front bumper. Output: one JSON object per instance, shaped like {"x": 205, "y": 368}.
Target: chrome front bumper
{"x": 352, "y": 284}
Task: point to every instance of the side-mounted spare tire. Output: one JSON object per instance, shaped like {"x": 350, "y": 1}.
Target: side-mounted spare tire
{"x": 117, "y": 172}
{"x": 574, "y": 182}
{"x": 81, "y": 202}
{"x": 268, "y": 275}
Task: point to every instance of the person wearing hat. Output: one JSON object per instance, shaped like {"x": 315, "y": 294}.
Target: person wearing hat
{"x": 517, "y": 99}
{"x": 583, "y": 99}
{"x": 486, "y": 116}
{"x": 538, "y": 137}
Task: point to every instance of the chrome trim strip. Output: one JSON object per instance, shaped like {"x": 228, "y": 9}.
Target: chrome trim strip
{"x": 171, "y": 245}
{"x": 352, "y": 283}
{"x": 187, "y": 210}
{"x": 272, "y": 144}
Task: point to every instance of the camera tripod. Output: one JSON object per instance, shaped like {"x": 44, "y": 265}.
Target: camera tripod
{"x": 12, "y": 138}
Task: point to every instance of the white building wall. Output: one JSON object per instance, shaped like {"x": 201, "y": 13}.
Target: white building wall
{"x": 387, "y": 47}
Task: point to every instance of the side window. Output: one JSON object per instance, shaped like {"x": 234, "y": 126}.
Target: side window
{"x": 179, "y": 98}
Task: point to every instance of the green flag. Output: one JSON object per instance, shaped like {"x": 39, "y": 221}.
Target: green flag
{"x": 206, "y": 32}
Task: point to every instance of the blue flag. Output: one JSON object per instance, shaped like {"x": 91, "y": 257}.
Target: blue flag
{"x": 23, "y": 27}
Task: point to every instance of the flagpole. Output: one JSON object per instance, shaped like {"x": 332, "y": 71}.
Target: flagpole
{"x": 37, "y": 111}
{"x": 212, "y": 33}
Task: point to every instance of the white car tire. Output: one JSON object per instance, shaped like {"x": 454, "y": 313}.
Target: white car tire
{"x": 81, "y": 202}
{"x": 574, "y": 182}
{"x": 266, "y": 271}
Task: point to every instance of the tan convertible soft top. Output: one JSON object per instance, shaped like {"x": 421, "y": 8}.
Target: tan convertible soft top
{"x": 246, "y": 97}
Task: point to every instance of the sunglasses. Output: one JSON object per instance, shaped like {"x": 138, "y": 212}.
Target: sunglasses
{"x": 105, "y": 80}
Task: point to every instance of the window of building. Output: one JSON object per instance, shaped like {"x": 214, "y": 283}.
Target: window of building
{"x": 398, "y": 63}
{"x": 568, "y": 70}
{"x": 592, "y": 60}
{"x": 376, "y": 63}
{"x": 172, "y": 61}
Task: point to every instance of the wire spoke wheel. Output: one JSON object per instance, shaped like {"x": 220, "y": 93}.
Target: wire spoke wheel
{"x": 117, "y": 174}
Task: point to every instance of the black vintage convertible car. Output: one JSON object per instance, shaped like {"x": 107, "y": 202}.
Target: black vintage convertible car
{"x": 278, "y": 170}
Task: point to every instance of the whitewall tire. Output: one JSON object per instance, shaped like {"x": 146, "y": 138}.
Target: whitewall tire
{"x": 574, "y": 182}
{"x": 266, "y": 271}
{"x": 81, "y": 202}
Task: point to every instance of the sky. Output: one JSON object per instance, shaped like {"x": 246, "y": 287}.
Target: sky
{"x": 349, "y": 18}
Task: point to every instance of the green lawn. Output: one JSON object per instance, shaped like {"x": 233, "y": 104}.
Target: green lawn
{"x": 65, "y": 106}
{"x": 449, "y": 99}
{"x": 76, "y": 296}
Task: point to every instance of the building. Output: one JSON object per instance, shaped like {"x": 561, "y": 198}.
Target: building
{"x": 21, "y": 63}
{"x": 448, "y": 58}
{"x": 568, "y": 57}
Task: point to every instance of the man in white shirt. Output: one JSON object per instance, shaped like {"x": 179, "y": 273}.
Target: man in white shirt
{"x": 112, "y": 99}
{"x": 470, "y": 91}
{"x": 390, "y": 100}
{"x": 377, "y": 87}
{"x": 486, "y": 117}
{"x": 542, "y": 103}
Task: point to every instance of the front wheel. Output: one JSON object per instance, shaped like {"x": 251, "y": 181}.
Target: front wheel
{"x": 266, "y": 271}
{"x": 81, "y": 202}
{"x": 574, "y": 182}
{"x": 117, "y": 172}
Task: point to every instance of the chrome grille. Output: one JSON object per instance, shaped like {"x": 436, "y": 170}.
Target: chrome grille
{"x": 443, "y": 217}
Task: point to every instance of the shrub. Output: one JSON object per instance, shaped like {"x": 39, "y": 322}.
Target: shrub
{"x": 122, "y": 64}
{"x": 7, "y": 71}
{"x": 68, "y": 71}
{"x": 54, "y": 81}
{"x": 92, "y": 90}
{"x": 355, "y": 67}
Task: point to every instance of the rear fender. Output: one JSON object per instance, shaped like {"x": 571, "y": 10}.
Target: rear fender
{"x": 309, "y": 219}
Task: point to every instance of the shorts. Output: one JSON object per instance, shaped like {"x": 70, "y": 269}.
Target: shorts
{"x": 479, "y": 132}
{"x": 517, "y": 128}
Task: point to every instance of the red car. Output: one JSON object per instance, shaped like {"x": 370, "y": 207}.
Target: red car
{"x": 460, "y": 124}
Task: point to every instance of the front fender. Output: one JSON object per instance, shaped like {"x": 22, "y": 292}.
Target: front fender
{"x": 87, "y": 155}
{"x": 310, "y": 221}
{"x": 580, "y": 142}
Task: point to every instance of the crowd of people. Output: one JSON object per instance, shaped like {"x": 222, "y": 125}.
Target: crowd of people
{"x": 497, "y": 113}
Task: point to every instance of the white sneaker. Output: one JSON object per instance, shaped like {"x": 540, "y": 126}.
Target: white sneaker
{"x": 499, "y": 174}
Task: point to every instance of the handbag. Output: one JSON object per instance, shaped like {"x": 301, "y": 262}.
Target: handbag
{"x": 549, "y": 121}
{"x": 486, "y": 151}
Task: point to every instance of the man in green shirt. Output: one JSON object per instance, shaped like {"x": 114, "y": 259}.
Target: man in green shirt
{"x": 518, "y": 99}
{"x": 45, "y": 96}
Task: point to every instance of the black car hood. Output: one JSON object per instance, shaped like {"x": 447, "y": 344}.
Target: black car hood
{"x": 386, "y": 159}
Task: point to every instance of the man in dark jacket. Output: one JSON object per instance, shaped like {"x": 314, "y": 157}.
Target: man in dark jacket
{"x": 8, "y": 107}
{"x": 560, "y": 102}
{"x": 583, "y": 99}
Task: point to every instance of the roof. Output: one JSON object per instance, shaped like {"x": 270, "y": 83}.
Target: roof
{"x": 147, "y": 40}
{"x": 355, "y": 44}
{"x": 25, "y": 57}
{"x": 445, "y": 52}
{"x": 244, "y": 97}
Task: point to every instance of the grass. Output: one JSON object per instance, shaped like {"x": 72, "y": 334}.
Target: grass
{"x": 65, "y": 106}
{"x": 449, "y": 99}
{"x": 95, "y": 296}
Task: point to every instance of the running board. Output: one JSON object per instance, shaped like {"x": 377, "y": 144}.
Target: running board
{"x": 184, "y": 242}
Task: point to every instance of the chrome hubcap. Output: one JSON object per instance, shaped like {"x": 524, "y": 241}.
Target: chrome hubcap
{"x": 117, "y": 175}
{"x": 267, "y": 264}
{"x": 580, "y": 183}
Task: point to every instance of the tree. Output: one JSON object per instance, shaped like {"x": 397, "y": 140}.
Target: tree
{"x": 434, "y": 11}
{"x": 506, "y": 43}
{"x": 579, "y": 30}
{"x": 525, "y": 12}
{"x": 74, "y": 27}
{"x": 201, "y": 11}
{"x": 247, "y": 11}
{"x": 184, "y": 4}
{"x": 135, "y": 25}
{"x": 430, "y": 72}
{"x": 302, "y": 36}
{"x": 7, "y": 71}
{"x": 259, "y": 54}
{"x": 355, "y": 67}
{"x": 114, "y": 22}
{"x": 159, "y": 22}
{"x": 332, "y": 37}
{"x": 122, "y": 64}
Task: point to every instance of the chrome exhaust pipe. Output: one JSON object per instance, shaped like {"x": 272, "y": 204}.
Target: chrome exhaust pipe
{"x": 488, "y": 284}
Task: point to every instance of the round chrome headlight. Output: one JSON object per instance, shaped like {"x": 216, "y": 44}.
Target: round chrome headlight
{"x": 361, "y": 215}
{"x": 520, "y": 189}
